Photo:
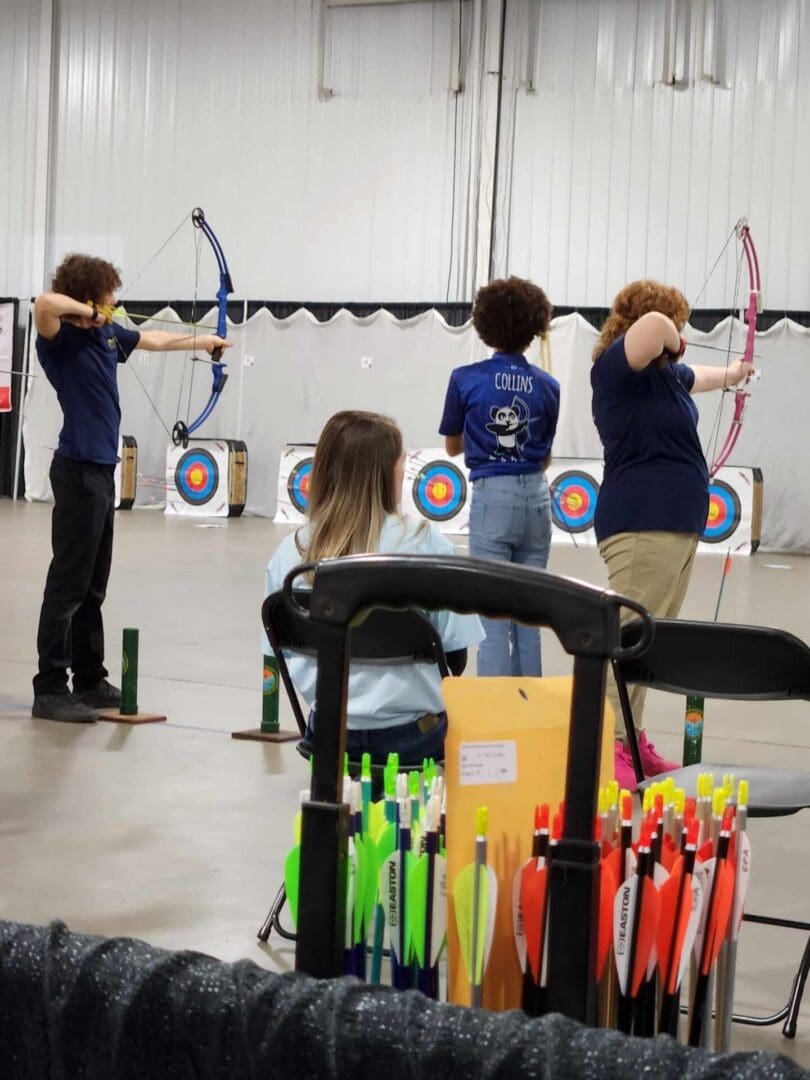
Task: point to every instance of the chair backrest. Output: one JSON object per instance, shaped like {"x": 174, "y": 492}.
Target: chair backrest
{"x": 720, "y": 660}
{"x": 384, "y": 636}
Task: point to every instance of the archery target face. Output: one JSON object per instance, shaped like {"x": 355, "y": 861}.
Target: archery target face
{"x": 196, "y": 476}
{"x": 298, "y": 484}
{"x": 197, "y": 479}
{"x": 573, "y": 500}
{"x": 724, "y": 513}
{"x": 439, "y": 491}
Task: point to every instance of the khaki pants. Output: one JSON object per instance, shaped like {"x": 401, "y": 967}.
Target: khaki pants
{"x": 652, "y": 568}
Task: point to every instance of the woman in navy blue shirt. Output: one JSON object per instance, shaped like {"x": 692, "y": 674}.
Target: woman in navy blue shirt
{"x": 654, "y": 498}
{"x": 502, "y": 413}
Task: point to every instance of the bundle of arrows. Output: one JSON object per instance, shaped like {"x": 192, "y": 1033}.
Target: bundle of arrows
{"x": 671, "y": 902}
{"x": 672, "y": 892}
{"x": 396, "y": 881}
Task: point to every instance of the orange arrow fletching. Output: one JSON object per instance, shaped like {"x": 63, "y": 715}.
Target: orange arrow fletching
{"x": 533, "y": 905}
{"x": 648, "y": 926}
{"x": 719, "y": 916}
{"x": 608, "y": 887}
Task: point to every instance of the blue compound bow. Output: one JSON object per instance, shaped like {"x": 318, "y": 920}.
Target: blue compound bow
{"x": 182, "y": 430}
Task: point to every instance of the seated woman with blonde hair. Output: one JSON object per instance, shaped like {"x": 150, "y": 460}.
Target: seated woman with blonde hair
{"x": 654, "y": 497}
{"x": 354, "y": 495}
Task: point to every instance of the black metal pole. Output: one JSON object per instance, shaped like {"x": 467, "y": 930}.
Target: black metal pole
{"x": 496, "y": 159}
{"x": 324, "y": 819}
{"x": 574, "y": 874}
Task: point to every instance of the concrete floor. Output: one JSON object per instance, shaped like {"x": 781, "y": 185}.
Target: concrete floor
{"x": 176, "y": 834}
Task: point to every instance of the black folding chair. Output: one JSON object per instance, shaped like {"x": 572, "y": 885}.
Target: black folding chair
{"x": 746, "y": 663}
{"x": 587, "y": 622}
{"x": 386, "y": 637}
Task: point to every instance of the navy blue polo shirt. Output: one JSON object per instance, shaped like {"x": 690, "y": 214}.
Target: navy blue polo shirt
{"x": 507, "y": 410}
{"x": 82, "y": 367}
{"x": 656, "y": 476}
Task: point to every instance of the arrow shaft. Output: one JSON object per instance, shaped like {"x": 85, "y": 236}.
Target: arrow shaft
{"x": 476, "y": 985}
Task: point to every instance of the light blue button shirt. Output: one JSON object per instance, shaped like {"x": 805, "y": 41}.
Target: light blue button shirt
{"x": 379, "y": 696}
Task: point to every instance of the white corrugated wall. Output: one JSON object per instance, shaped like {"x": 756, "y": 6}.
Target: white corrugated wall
{"x": 605, "y": 173}
{"x": 21, "y": 224}
{"x": 615, "y": 175}
{"x": 168, "y": 104}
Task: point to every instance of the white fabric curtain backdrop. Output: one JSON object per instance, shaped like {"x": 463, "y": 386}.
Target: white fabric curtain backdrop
{"x": 287, "y": 376}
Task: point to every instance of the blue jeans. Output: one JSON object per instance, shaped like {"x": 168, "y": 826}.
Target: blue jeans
{"x": 510, "y": 520}
{"x": 410, "y": 741}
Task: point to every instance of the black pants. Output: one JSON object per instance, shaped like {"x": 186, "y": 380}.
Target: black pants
{"x": 71, "y": 630}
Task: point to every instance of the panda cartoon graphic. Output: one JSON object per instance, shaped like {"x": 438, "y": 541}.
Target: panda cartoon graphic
{"x": 510, "y": 426}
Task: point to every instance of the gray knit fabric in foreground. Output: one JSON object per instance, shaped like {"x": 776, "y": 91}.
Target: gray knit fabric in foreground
{"x": 110, "y": 1009}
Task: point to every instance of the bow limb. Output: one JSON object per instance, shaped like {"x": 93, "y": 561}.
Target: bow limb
{"x": 181, "y": 430}
{"x": 753, "y": 308}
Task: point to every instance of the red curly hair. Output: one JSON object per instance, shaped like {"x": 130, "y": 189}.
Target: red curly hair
{"x": 637, "y": 299}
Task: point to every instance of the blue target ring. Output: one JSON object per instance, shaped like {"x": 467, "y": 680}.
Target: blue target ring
{"x": 573, "y": 501}
{"x": 439, "y": 490}
{"x": 298, "y": 485}
{"x": 724, "y": 514}
{"x": 197, "y": 477}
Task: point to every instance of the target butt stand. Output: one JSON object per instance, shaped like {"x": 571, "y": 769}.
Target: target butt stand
{"x": 128, "y": 712}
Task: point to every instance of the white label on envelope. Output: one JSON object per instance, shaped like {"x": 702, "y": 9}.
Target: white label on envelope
{"x": 489, "y": 762}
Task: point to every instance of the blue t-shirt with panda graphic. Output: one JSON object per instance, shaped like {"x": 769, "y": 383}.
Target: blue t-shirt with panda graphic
{"x": 507, "y": 411}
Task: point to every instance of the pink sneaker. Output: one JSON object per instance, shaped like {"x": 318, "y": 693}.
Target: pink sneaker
{"x": 651, "y": 761}
{"x": 623, "y": 766}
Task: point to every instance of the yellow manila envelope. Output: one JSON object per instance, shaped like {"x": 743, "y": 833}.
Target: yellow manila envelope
{"x": 506, "y": 749}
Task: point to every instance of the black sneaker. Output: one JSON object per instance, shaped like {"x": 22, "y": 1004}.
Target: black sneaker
{"x": 101, "y": 696}
{"x": 65, "y": 707}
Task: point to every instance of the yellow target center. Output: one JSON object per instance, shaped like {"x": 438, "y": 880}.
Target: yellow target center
{"x": 714, "y": 512}
{"x": 573, "y": 501}
{"x": 196, "y": 475}
{"x": 440, "y": 489}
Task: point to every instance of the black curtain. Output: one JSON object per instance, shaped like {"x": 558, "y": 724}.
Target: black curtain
{"x": 117, "y": 1009}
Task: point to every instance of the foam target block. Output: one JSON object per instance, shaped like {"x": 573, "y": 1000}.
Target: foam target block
{"x": 573, "y": 504}
{"x": 437, "y": 488}
{"x": 126, "y": 473}
{"x": 292, "y": 492}
{"x": 208, "y": 478}
{"x": 734, "y": 518}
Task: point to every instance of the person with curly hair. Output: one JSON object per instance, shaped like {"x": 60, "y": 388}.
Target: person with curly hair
{"x": 654, "y": 497}
{"x": 502, "y": 414}
{"x": 79, "y": 348}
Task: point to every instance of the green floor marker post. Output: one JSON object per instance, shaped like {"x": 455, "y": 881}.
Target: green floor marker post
{"x": 270, "y": 696}
{"x": 269, "y": 730}
{"x": 693, "y": 715}
{"x": 129, "y": 673}
{"x": 693, "y": 731}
